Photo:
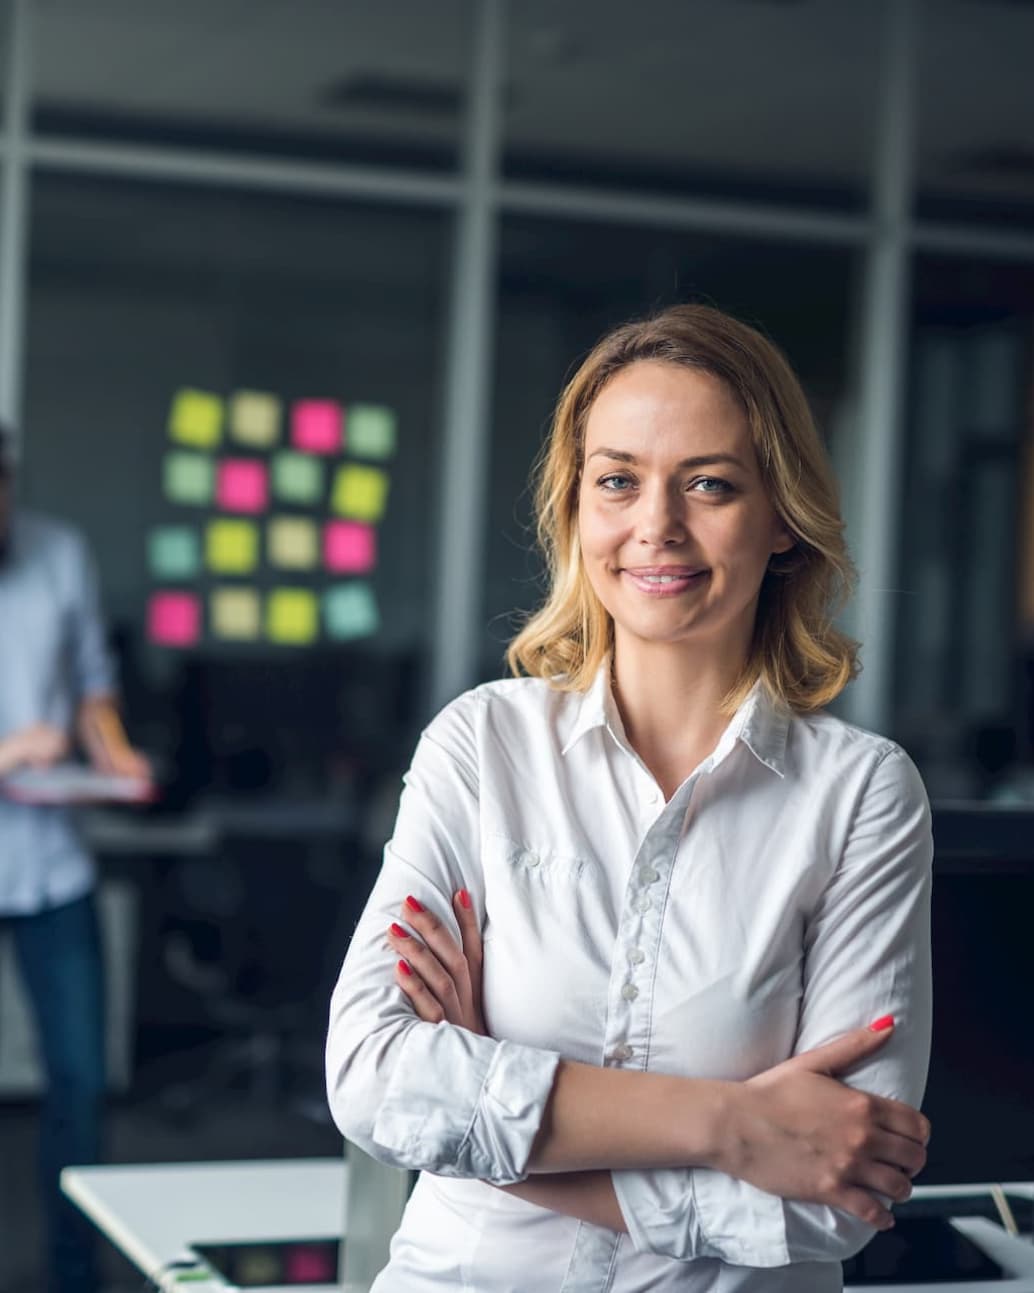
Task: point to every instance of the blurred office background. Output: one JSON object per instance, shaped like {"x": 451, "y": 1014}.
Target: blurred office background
{"x": 428, "y": 210}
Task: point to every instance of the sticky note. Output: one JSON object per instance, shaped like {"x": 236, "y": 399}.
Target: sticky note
{"x": 196, "y": 418}
{"x": 370, "y": 431}
{"x": 350, "y": 611}
{"x": 360, "y": 492}
{"x": 292, "y": 616}
{"x": 297, "y": 478}
{"x": 255, "y": 418}
{"x": 174, "y": 619}
{"x": 317, "y": 426}
{"x": 349, "y": 547}
{"x": 242, "y": 485}
{"x": 235, "y": 613}
{"x": 231, "y": 547}
{"x": 188, "y": 478}
{"x": 173, "y": 552}
{"x": 292, "y": 543}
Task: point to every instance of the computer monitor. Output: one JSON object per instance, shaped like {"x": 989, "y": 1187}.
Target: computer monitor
{"x": 980, "y": 1092}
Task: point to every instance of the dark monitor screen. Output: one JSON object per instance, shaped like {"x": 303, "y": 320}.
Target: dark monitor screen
{"x": 980, "y": 1093}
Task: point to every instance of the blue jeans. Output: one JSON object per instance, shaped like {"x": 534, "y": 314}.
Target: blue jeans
{"x": 59, "y": 955}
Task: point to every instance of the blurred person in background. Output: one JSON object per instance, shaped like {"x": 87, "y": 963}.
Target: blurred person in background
{"x": 57, "y": 689}
{"x": 663, "y": 972}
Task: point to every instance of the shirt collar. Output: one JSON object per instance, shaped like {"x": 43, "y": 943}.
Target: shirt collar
{"x": 761, "y": 722}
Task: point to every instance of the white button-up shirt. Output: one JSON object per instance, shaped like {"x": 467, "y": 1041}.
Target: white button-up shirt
{"x": 780, "y": 898}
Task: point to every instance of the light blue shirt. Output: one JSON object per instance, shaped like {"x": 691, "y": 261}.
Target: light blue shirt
{"x": 52, "y": 656}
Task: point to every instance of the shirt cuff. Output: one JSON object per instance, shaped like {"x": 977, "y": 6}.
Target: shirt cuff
{"x": 484, "y": 1128}
{"x": 701, "y": 1213}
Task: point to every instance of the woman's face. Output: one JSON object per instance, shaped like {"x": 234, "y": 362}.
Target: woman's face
{"x": 675, "y": 527}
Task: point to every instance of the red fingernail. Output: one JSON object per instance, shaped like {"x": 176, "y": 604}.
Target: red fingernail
{"x": 398, "y": 931}
{"x": 465, "y": 899}
{"x": 404, "y": 967}
{"x": 412, "y": 903}
{"x": 882, "y": 1024}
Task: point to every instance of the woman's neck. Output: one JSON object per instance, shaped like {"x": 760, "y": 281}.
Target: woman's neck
{"x": 669, "y": 699}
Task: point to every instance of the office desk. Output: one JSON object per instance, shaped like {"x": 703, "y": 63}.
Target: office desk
{"x": 152, "y": 1213}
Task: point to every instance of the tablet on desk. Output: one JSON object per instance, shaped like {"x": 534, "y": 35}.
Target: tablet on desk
{"x": 275, "y": 1263}
{"x": 74, "y": 783}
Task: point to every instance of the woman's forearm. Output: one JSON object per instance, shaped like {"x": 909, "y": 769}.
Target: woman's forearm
{"x": 587, "y": 1196}
{"x": 612, "y": 1119}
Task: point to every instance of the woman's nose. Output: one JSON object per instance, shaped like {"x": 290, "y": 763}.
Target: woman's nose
{"x": 662, "y": 520}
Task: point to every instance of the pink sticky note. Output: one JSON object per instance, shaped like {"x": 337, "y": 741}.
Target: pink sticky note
{"x": 243, "y": 485}
{"x": 317, "y": 426}
{"x": 349, "y": 547}
{"x": 174, "y": 619}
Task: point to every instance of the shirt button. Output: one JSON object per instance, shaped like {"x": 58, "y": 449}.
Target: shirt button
{"x": 623, "y": 1051}
{"x": 648, "y": 875}
{"x": 637, "y": 956}
{"x": 529, "y": 858}
{"x": 630, "y": 992}
{"x": 643, "y": 905}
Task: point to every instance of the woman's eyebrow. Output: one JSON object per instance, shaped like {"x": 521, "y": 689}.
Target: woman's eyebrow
{"x": 701, "y": 460}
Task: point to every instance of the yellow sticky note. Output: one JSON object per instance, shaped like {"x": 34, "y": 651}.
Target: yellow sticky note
{"x": 292, "y": 543}
{"x": 235, "y": 613}
{"x": 255, "y": 419}
{"x": 231, "y": 547}
{"x": 196, "y": 418}
{"x": 292, "y": 616}
{"x": 360, "y": 492}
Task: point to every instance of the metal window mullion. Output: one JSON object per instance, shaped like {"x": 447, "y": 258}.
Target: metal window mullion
{"x": 14, "y": 226}
{"x": 882, "y": 365}
{"x": 466, "y": 437}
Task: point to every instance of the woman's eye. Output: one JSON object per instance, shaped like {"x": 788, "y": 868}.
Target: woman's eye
{"x": 711, "y": 485}
{"x": 615, "y": 484}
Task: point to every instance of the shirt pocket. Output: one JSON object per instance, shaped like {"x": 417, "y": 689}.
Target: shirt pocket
{"x": 531, "y": 864}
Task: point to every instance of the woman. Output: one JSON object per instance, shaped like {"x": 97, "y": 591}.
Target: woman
{"x": 695, "y": 889}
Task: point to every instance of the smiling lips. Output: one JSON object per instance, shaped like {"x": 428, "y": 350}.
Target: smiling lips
{"x": 664, "y": 581}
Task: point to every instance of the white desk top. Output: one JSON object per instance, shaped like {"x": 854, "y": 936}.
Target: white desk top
{"x": 153, "y": 1212}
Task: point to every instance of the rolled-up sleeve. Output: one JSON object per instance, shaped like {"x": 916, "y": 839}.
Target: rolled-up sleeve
{"x": 867, "y": 953}
{"x": 414, "y": 1094}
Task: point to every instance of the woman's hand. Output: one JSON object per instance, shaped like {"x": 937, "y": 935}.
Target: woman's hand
{"x": 796, "y": 1130}
{"x": 441, "y": 978}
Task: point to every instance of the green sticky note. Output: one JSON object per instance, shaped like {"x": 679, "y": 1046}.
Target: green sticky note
{"x": 292, "y": 616}
{"x": 231, "y": 547}
{"x": 350, "y": 611}
{"x": 370, "y": 431}
{"x": 196, "y": 418}
{"x": 173, "y": 552}
{"x": 188, "y": 478}
{"x": 297, "y": 478}
{"x": 360, "y": 493}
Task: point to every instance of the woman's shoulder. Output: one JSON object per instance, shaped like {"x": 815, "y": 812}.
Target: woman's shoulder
{"x": 821, "y": 740}
{"x": 513, "y": 707}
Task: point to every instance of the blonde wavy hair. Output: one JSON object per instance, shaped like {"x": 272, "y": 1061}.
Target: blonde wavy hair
{"x": 802, "y": 659}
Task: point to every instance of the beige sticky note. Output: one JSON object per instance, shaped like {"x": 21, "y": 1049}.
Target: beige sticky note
{"x": 255, "y": 419}
{"x": 235, "y": 613}
{"x": 292, "y": 543}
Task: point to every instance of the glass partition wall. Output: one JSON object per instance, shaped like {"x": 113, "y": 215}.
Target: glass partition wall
{"x": 428, "y": 213}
